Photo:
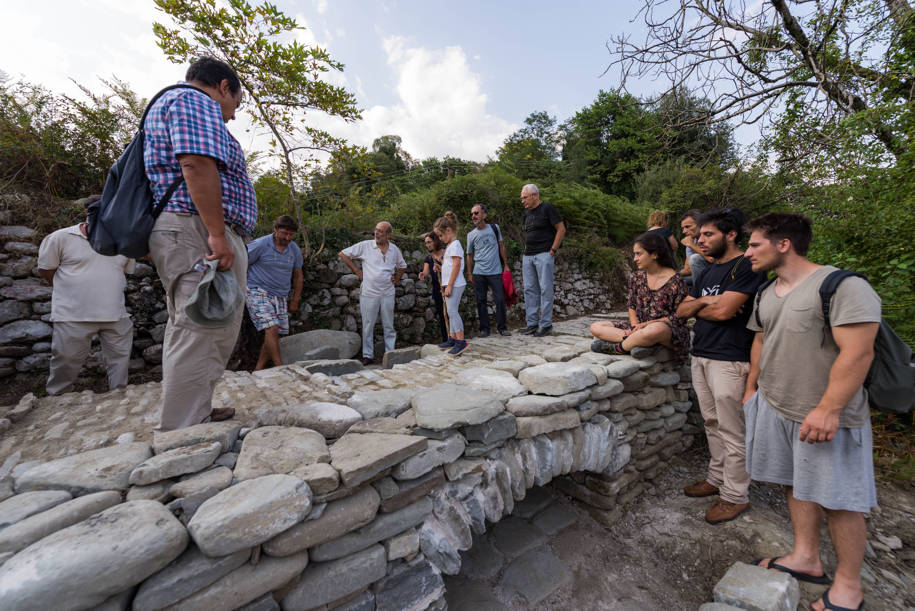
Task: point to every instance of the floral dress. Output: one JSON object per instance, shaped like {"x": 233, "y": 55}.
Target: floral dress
{"x": 651, "y": 304}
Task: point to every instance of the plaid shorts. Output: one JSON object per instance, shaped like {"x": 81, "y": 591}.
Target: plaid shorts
{"x": 267, "y": 310}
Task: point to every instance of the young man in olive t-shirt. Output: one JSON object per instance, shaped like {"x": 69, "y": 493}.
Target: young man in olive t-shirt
{"x": 808, "y": 422}
{"x": 720, "y": 300}
{"x": 543, "y": 233}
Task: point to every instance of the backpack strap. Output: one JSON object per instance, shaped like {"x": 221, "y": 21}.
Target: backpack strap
{"x": 160, "y": 205}
{"x": 759, "y": 293}
{"x": 828, "y": 289}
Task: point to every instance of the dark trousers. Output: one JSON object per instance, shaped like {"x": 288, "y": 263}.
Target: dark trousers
{"x": 480, "y": 284}
{"x": 440, "y": 313}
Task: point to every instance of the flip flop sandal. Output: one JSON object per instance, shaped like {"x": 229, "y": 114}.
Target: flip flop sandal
{"x": 821, "y": 579}
{"x": 830, "y": 606}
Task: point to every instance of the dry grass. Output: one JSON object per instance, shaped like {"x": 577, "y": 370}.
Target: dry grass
{"x": 894, "y": 447}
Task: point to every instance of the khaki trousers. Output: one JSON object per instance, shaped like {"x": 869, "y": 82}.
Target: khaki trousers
{"x": 70, "y": 344}
{"x": 720, "y": 385}
{"x": 193, "y": 357}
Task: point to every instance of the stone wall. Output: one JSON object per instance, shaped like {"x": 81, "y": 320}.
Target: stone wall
{"x": 330, "y": 300}
{"x": 362, "y": 502}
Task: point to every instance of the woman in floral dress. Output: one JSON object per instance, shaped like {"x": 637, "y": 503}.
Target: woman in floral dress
{"x": 655, "y": 291}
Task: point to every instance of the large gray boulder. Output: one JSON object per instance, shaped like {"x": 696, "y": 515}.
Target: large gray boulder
{"x": 329, "y": 581}
{"x": 296, "y": 347}
{"x": 381, "y": 403}
{"x": 103, "y": 469}
{"x": 278, "y": 449}
{"x": 249, "y": 513}
{"x": 329, "y": 419}
{"x": 21, "y": 506}
{"x": 360, "y": 456}
{"x": 186, "y": 459}
{"x": 556, "y": 379}
{"x": 25, "y": 532}
{"x": 24, "y": 331}
{"x": 502, "y": 384}
{"x": 81, "y": 566}
{"x": 448, "y": 406}
{"x": 190, "y": 572}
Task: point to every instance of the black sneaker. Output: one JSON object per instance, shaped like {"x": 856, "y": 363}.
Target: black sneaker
{"x": 543, "y": 331}
{"x": 529, "y": 330}
{"x": 447, "y": 344}
{"x": 483, "y": 334}
{"x": 504, "y": 332}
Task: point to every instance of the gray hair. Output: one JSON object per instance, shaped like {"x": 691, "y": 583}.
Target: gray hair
{"x": 532, "y": 189}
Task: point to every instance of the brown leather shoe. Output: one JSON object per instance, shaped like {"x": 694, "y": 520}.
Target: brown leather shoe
{"x": 367, "y": 361}
{"x": 222, "y": 413}
{"x": 700, "y": 488}
{"x": 723, "y": 511}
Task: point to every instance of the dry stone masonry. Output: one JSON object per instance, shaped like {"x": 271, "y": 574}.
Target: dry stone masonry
{"x": 350, "y": 491}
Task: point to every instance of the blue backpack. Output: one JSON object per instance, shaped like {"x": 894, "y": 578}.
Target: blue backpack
{"x": 122, "y": 220}
{"x": 890, "y": 381}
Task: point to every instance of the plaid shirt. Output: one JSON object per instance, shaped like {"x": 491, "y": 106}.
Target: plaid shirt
{"x": 184, "y": 121}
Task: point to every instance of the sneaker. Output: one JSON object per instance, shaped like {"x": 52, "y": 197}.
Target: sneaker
{"x": 700, "y": 488}
{"x": 459, "y": 347}
{"x": 723, "y": 511}
{"x": 529, "y": 330}
{"x": 447, "y": 344}
{"x": 543, "y": 331}
{"x": 604, "y": 347}
{"x": 483, "y": 334}
{"x": 504, "y": 332}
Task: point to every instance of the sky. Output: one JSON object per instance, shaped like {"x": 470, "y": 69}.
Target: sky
{"x": 449, "y": 78}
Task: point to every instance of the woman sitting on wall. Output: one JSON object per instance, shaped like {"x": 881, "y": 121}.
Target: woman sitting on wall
{"x": 432, "y": 266}
{"x": 655, "y": 291}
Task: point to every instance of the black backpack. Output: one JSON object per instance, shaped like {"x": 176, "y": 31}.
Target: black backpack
{"x": 122, "y": 220}
{"x": 890, "y": 381}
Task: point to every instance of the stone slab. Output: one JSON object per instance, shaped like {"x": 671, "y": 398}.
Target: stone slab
{"x": 381, "y": 403}
{"x": 320, "y": 477}
{"x": 21, "y": 506}
{"x": 190, "y": 572}
{"x": 502, "y": 384}
{"x": 361, "y": 456}
{"x": 339, "y": 518}
{"x": 400, "y": 356}
{"x": 89, "y": 562}
{"x": 535, "y": 405}
{"x": 531, "y": 426}
{"x": 472, "y": 596}
{"x": 180, "y": 461}
{"x": 556, "y": 379}
{"x": 278, "y": 450}
{"x": 555, "y": 518}
{"x": 158, "y": 491}
{"x": 402, "y": 546}
{"x": 534, "y": 576}
{"x": 264, "y": 603}
{"x": 482, "y": 560}
{"x": 249, "y": 513}
{"x": 608, "y": 389}
{"x": 245, "y": 584}
{"x": 413, "y": 588}
{"x": 294, "y": 347}
{"x": 492, "y": 431}
{"x": 536, "y": 500}
{"x": 514, "y": 536}
{"x": 437, "y": 453}
{"x": 331, "y": 367}
{"x": 39, "y": 525}
{"x": 216, "y": 479}
{"x": 326, "y": 582}
{"x": 104, "y": 469}
{"x": 329, "y": 419}
{"x": 410, "y": 491}
{"x": 448, "y": 406}
{"x": 384, "y": 526}
{"x": 622, "y": 368}
{"x": 224, "y": 432}
{"x": 757, "y": 589}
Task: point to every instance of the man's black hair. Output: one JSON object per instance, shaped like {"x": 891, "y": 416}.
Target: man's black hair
{"x": 725, "y": 220}
{"x": 284, "y": 221}
{"x": 211, "y": 72}
{"x": 785, "y": 225}
{"x": 692, "y": 213}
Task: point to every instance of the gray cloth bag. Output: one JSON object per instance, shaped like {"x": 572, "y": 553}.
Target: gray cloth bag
{"x": 216, "y": 298}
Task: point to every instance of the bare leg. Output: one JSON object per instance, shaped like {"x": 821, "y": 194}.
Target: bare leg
{"x": 270, "y": 351}
{"x": 848, "y": 531}
{"x": 805, "y": 520}
{"x": 607, "y": 331}
{"x": 649, "y": 335}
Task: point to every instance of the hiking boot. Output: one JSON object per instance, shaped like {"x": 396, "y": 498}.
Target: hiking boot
{"x": 543, "y": 331}
{"x": 459, "y": 347}
{"x": 724, "y": 511}
{"x": 447, "y": 344}
{"x": 602, "y": 346}
{"x": 222, "y": 413}
{"x": 529, "y": 330}
{"x": 700, "y": 488}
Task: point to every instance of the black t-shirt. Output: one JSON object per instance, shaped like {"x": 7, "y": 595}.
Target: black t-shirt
{"x": 539, "y": 231}
{"x": 665, "y": 233}
{"x": 431, "y": 261}
{"x": 727, "y": 340}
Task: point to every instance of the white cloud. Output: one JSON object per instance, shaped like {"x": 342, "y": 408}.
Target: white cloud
{"x": 321, "y": 6}
{"x": 441, "y": 108}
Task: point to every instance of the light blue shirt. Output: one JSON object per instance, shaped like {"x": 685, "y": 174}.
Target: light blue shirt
{"x": 484, "y": 246}
{"x": 269, "y": 269}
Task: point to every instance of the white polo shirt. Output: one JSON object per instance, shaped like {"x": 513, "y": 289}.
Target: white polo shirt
{"x": 88, "y": 287}
{"x": 377, "y": 267}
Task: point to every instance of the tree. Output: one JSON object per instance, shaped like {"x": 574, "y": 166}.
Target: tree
{"x": 836, "y": 75}
{"x": 283, "y": 81}
{"x": 533, "y": 150}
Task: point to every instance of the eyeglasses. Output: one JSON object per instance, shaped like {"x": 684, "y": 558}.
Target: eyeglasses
{"x": 474, "y": 214}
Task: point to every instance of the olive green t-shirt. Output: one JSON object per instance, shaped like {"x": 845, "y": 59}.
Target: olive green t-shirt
{"x": 796, "y": 357}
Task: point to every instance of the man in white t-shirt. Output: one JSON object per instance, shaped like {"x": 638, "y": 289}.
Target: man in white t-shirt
{"x": 88, "y": 299}
{"x": 382, "y": 266}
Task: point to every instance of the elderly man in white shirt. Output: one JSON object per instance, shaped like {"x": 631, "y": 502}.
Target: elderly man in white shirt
{"x": 382, "y": 266}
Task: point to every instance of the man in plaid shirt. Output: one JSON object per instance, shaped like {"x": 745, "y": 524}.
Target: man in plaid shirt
{"x": 206, "y": 218}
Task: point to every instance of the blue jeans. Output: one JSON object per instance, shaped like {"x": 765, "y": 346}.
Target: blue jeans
{"x": 370, "y": 307}
{"x": 537, "y": 275}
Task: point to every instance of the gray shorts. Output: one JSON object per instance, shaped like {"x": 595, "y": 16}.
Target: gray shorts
{"x": 837, "y": 474}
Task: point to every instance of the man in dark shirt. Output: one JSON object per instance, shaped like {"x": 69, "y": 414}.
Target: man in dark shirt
{"x": 721, "y": 359}
{"x": 543, "y": 233}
